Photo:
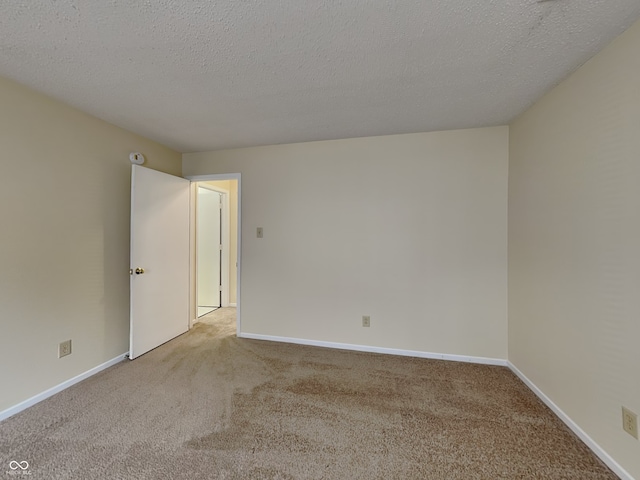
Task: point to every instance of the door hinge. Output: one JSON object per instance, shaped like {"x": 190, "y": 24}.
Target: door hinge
{"x": 220, "y": 288}
{"x": 220, "y": 247}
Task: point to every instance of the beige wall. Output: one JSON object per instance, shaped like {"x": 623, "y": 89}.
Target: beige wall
{"x": 409, "y": 229}
{"x": 574, "y": 238}
{"x": 64, "y": 256}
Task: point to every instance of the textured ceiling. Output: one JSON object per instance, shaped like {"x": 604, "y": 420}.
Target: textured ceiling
{"x": 202, "y": 75}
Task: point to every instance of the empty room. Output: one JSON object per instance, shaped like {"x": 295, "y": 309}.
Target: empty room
{"x": 320, "y": 240}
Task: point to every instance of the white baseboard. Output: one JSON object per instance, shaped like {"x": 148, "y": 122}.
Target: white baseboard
{"x": 371, "y": 349}
{"x": 597, "y": 449}
{"x": 58, "y": 388}
{"x": 233, "y": 304}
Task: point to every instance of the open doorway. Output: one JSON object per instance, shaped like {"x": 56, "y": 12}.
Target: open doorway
{"x": 212, "y": 244}
{"x": 215, "y": 261}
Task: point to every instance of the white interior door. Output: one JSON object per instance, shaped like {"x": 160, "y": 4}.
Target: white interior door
{"x": 209, "y": 253}
{"x": 159, "y": 259}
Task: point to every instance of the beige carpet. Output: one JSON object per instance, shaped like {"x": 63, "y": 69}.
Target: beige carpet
{"x": 209, "y": 405}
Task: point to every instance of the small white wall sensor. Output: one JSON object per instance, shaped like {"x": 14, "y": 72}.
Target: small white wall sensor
{"x": 136, "y": 158}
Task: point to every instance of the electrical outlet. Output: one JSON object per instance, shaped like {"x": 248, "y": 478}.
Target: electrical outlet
{"x": 64, "y": 349}
{"x": 366, "y": 321}
{"x": 259, "y": 232}
{"x": 630, "y": 422}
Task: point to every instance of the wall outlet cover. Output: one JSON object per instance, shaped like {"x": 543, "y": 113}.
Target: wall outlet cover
{"x": 64, "y": 348}
{"x": 630, "y": 422}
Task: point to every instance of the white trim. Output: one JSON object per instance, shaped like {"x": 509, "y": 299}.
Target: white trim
{"x": 193, "y": 295}
{"x": 213, "y": 177}
{"x": 238, "y": 252}
{"x": 595, "y": 448}
{"x": 233, "y": 304}
{"x": 58, "y": 388}
{"x": 372, "y": 349}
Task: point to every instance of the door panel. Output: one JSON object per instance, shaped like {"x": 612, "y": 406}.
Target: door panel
{"x": 160, "y": 246}
{"x": 208, "y": 247}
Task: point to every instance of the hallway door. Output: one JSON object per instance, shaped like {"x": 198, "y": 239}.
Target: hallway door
{"x": 209, "y": 250}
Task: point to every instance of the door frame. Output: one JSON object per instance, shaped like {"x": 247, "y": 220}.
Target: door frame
{"x": 193, "y": 308}
{"x": 225, "y": 234}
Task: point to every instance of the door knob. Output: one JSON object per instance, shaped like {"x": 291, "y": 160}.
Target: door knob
{"x": 139, "y": 271}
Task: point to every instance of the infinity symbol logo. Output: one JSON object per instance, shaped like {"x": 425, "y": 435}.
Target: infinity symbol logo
{"x": 13, "y": 465}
